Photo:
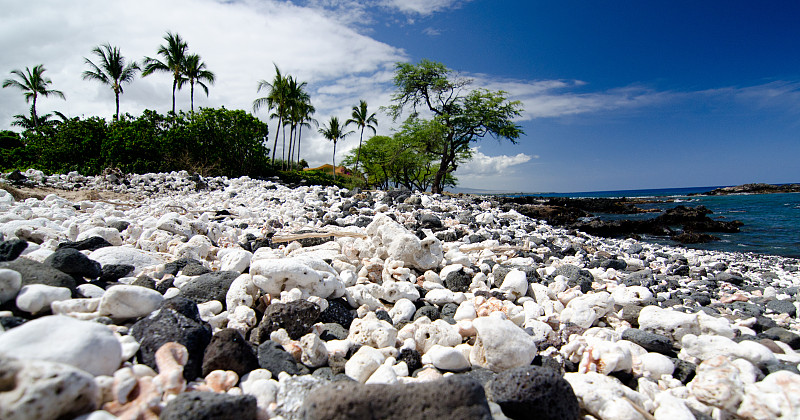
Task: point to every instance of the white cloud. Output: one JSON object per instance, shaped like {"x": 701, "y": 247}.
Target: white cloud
{"x": 431, "y": 32}
{"x": 481, "y": 164}
{"x": 239, "y": 41}
{"x": 422, "y": 7}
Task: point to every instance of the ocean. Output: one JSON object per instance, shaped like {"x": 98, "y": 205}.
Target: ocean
{"x": 771, "y": 221}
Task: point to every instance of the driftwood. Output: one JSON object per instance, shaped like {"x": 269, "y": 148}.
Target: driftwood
{"x": 296, "y": 236}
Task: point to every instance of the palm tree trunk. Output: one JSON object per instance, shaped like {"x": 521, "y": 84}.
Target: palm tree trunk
{"x": 291, "y": 141}
{"x": 275, "y": 143}
{"x": 358, "y": 152}
{"x": 33, "y": 112}
{"x": 174, "y": 85}
{"x": 192, "y": 95}
{"x": 283, "y": 148}
{"x": 334, "y": 160}
{"x": 299, "y": 137}
{"x": 116, "y": 116}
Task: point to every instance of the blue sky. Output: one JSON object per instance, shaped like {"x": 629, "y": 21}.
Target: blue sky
{"x": 618, "y": 94}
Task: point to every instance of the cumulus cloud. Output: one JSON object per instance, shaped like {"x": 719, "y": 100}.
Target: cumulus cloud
{"x": 482, "y": 164}
{"x": 239, "y": 41}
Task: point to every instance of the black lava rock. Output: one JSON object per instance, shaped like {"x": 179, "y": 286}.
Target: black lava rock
{"x": 533, "y": 392}
{"x": 34, "y": 272}
{"x": 448, "y": 312}
{"x": 88, "y": 244}
{"x": 10, "y": 250}
{"x": 782, "y": 306}
{"x": 650, "y": 341}
{"x": 731, "y": 278}
{"x": 456, "y": 397}
{"x": 211, "y": 286}
{"x": 684, "y": 371}
{"x": 430, "y": 221}
{"x": 228, "y": 350}
{"x": 113, "y": 272}
{"x": 177, "y": 265}
{"x": 272, "y": 357}
{"x": 119, "y": 225}
{"x": 630, "y": 313}
{"x": 383, "y": 316}
{"x": 296, "y": 318}
{"x": 430, "y": 311}
{"x": 74, "y": 262}
{"x": 458, "y": 281}
{"x": 193, "y": 269}
{"x": 210, "y": 406}
{"x": 144, "y": 281}
{"x": 783, "y": 335}
{"x": 338, "y": 312}
{"x": 411, "y": 357}
{"x": 482, "y": 375}
{"x": 178, "y": 321}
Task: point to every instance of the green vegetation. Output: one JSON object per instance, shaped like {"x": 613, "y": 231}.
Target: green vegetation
{"x": 423, "y": 154}
{"x": 464, "y": 118}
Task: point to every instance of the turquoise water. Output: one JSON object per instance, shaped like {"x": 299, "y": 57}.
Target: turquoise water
{"x": 771, "y": 221}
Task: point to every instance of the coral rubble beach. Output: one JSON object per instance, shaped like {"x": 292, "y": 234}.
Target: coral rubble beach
{"x": 178, "y": 296}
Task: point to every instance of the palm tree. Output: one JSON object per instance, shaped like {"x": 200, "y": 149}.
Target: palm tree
{"x": 297, "y": 98}
{"x": 22, "y": 120}
{"x": 194, "y": 71}
{"x": 362, "y": 118}
{"x": 112, "y": 70}
{"x": 334, "y": 132}
{"x": 276, "y": 99}
{"x": 33, "y": 83}
{"x": 305, "y": 111}
{"x": 174, "y": 54}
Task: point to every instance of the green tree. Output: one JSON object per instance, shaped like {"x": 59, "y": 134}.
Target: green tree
{"x": 33, "y": 84}
{"x": 195, "y": 72}
{"x": 276, "y": 99}
{"x": 174, "y": 54}
{"x": 334, "y": 132}
{"x": 112, "y": 71}
{"x": 363, "y": 119}
{"x": 299, "y": 105}
{"x": 466, "y": 118}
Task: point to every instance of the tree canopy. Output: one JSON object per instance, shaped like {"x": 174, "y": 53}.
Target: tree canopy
{"x": 465, "y": 116}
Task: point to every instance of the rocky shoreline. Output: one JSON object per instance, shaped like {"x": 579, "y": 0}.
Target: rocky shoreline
{"x": 686, "y": 225}
{"x": 755, "y": 189}
{"x": 177, "y": 296}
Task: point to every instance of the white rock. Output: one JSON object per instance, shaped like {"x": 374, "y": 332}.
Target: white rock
{"x": 465, "y": 311}
{"x": 444, "y": 296}
{"x": 89, "y": 290}
{"x": 237, "y": 260}
{"x": 605, "y": 397}
{"x": 138, "y": 258}
{"x": 447, "y": 358}
{"x": 671, "y": 408}
{"x": 396, "y": 290}
{"x": 364, "y": 363}
{"x": 717, "y": 383}
{"x": 109, "y": 234}
{"x": 776, "y": 397}
{"x": 275, "y": 275}
{"x": 501, "y": 345}
{"x": 126, "y": 301}
{"x": 515, "y": 284}
{"x": 314, "y": 354}
{"x": 10, "y": 283}
{"x": 46, "y": 390}
{"x": 427, "y": 334}
{"x": 403, "y": 310}
{"x": 667, "y": 322}
{"x": 242, "y": 318}
{"x": 242, "y": 292}
{"x": 631, "y": 295}
{"x": 705, "y": 347}
{"x": 385, "y": 374}
{"x": 35, "y": 298}
{"x": 84, "y": 344}
{"x": 392, "y": 241}
{"x": 371, "y": 331}
{"x": 653, "y": 365}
